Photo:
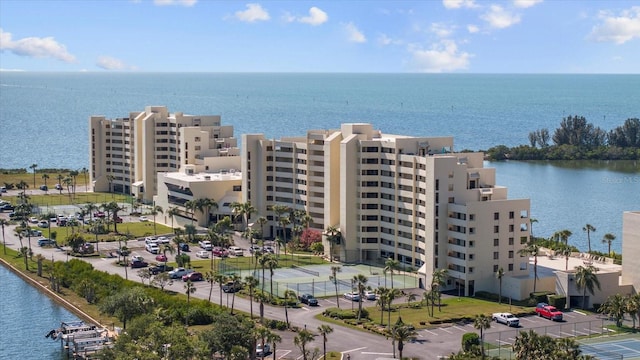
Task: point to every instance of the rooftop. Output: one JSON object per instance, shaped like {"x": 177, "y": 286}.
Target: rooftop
{"x": 549, "y": 264}
{"x": 231, "y": 174}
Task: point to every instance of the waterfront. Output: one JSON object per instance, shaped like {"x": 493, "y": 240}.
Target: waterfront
{"x": 27, "y": 316}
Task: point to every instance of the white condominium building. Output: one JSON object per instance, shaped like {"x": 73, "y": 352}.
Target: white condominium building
{"x": 391, "y": 196}
{"x": 127, "y": 153}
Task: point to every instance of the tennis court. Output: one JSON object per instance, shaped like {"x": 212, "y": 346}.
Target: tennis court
{"x": 626, "y": 348}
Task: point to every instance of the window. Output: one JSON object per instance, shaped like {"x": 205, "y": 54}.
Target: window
{"x": 471, "y": 257}
{"x": 496, "y": 255}
{"x": 510, "y": 254}
{"x": 472, "y": 217}
{"x": 511, "y": 228}
{"x": 510, "y": 267}
{"x": 496, "y": 229}
{"x": 470, "y": 270}
{"x": 496, "y": 216}
{"x": 495, "y": 268}
{"x": 511, "y": 214}
{"x": 510, "y": 241}
{"x": 496, "y": 242}
{"x": 472, "y": 243}
{"x": 523, "y": 239}
{"x": 523, "y": 266}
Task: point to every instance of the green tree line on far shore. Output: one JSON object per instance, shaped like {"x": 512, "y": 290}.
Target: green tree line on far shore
{"x": 576, "y": 139}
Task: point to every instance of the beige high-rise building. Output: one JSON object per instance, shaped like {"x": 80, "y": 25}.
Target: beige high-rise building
{"x": 126, "y": 154}
{"x": 408, "y": 198}
{"x": 631, "y": 248}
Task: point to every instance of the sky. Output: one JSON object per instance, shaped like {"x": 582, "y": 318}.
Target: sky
{"x": 427, "y": 36}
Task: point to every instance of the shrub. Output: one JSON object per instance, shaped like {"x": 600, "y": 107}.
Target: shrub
{"x": 345, "y": 314}
{"x": 557, "y": 301}
{"x": 469, "y": 340}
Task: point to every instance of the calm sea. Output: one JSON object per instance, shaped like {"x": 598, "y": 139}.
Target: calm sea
{"x": 27, "y": 316}
{"x": 44, "y": 120}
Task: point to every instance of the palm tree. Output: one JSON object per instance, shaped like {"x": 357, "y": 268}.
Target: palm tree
{"x": 402, "y": 333}
{"x": 439, "y": 278}
{"x": 284, "y": 221}
{"x": 392, "y": 294}
{"x": 189, "y": 288}
{"x": 167, "y": 248}
{"x": 173, "y": 212}
{"x": 210, "y": 277}
{"x": 632, "y": 306}
{"x": 334, "y": 277}
{"x": 531, "y": 249}
{"x": 586, "y": 278}
{"x": 382, "y": 293}
{"x": 205, "y": 205}
{"x": 235, "y": 278}
{"x": 615, "y": 306}
{"x": 301, "y": 340}
{"x": 565, "y": 250}
{"x": 272, "y": 263}
{"x": 45, "y": 176}
{"x": 85, "y": 173}
{"x": 90, "y": 208}
{"x": 24, "y": 252}
{"x": 360, "y": 282}
{"x": 262, "y": 333}
{"x": 608, "y": 239}
{"x": 4, "y": 222}
{"x": 564, "y": 236}
{"x": 110, "y": 179}
{"x": 500, "y": 275}
{"x": 532, "y": 221}
{"x": 324, "y": 330}
{"x": 333, "y": 236}
{"x": 177, "y": 240}
{"x": 251, "y": 282}
{"x": 389, "y": 267}
{"x": 23, "y": 186}
{"x": 279, "y": 210}
{"x": 74, "y": 176}
{"x": 288, "y": 295}
{"x": 482, "y": 322}
{"x": 155, "y": 209}
{"x": 67, "y": 182}
{"x": 191, "y": 205}
{"x": 262, "y": 221}
{"x": 60, "y": 177}
{"x": 33, "y": 167}
{"x": 220, "y": 279}
{"x": 588, "y": 228}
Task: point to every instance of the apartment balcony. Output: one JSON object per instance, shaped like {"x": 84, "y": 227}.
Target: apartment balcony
{"x": 456, "y": 248}
{"x": 456, "y": 222}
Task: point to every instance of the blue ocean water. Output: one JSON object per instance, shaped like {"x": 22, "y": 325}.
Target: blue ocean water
{"x": 44, "y": 116}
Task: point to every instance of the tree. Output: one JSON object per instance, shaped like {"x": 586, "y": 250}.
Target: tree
{"x": 334, "y": 277}
{"x": 110, "y": 179}
{"x": 333, "y": 237}
{"x": 85, "y": 173}
{"x": 324, "y": 330}
{"x": 155, "y": 209}
{"x": 144, "y": 275}
{"x": 615, "y": 307}
{"x": 288, "y": 296}
{"x": 301, "y": 340}
{"x": 4, "y": 222}
{"x": 33, "y": 167}
{"x": 401, "y": 334}
{"x": 167, "y": 248}
{"x": 189, "y": 288}
{"x": 251, "y": 282}
{"x": 220, "y": 279}
{"x": 127, "y": 304}
{"x": 60, "y": 178}
{"x": 578, "y": 132}
{"x": 531, "y": 249}
{"x": 172, "y": 212}
{"x": 360, "y": 282}
{"x": 161, "y": 280}
{"x": 382, "y": 292}
{"x": 531, "y": 222}
{"x": 608, "y": 239}
{"x": 500, "y": 275}
{"x": 236, "y": 280}
{"x": 439, "y": 279}
{"x": 588, "y": 228}
{"x": 392, "y": 294}
{"x": 586, "y": 278}
{"x": 191, "y": 206}
{"x": 564, "y": 250}
{"x": 45, "y": 176}
{"x": 627, "y": 135}
{"x": 68, "y": 182}
{"x": 210, "y": 277}
{"x": 531, "y": 346}
{"x": 482, "y": 322}
{"x": 262, "y": 221}
{"x": 272, "y": 263}
{"x": 390, "y": 266}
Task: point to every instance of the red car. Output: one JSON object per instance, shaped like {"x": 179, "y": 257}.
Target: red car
{"x": 194, "y": 276}
{"x": 161, "y": 258}
{"x": 220, "y": 252}
{"x": 550, "y": 312}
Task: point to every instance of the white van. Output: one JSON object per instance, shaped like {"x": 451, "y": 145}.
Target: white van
{"x": 236, "y": 250}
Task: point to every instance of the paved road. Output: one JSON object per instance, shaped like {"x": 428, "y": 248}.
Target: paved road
{"x": 430, "y": 344}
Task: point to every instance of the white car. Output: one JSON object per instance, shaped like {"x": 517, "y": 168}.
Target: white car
{"x": 152, "y": 248}
{"x": 202, "y": 254}
{"x": 506, "y": 318}
{"x": 354, "y": 296}
{"x": 369, "y": 295}
{"x": 205, "y": 244}
{"x": 236, "y": 250}
{"x": 137, "y": 258}
{"x": 163, "y": 240}
{"x": 262, "y": 352}
{"x": 179, "y": 273}
{"x": 143, "y": 218}
{"x": 150, "y": 240}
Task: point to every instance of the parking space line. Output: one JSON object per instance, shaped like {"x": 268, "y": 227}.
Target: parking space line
{"x": 445, "y": 330}
{"x": 286, "y": 352}
{"x": 567, "y": 334}
{"x": 431, "y": 332}
{"x": 459, "y": 328}
{"x": 500, "y": 342}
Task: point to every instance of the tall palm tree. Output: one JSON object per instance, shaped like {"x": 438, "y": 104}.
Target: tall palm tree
{"x": 236, "y": 279}
{"x": 284, "y": 221}
{"x": 288, "y": 295}
{"x": 68, "y": 182}
{"x": 360, "y": 282}
{"x": 401, "y": 334}
{"x": 60, "y": 178}
{"x": 588, "y": 228}
{"x": 177, "y": 240}
{"x": 615, "y": 307}
{"x": 85, "y": 173}
{"x": 279, "y": 210}
{"x": 333, "y": 236}
{"x": 439, "y": 278}
{"x": 262, "y": 333}
{"x": 90, "y": 208}
{"x": 251, "y": 282}
{"x": 565, "y": 235}
{"x": 74, "y": 176}
{"x": 303, "y": 338}
{"x": 155, "y": 209}
{"x": 392, "y": 294}
{"x": 500, "y": 275}
{"x": 210, "y": 277}
{"x": 531, "y": 249}
{"x": 482, "y": 322}
{"x": 272, "y": 263}
{"x": 167, "y": 248}
{"x": 382, "y": 300}
{"x": 608, "y": 239}
{"x": 564, "y": 250}
{"x": 324, "y": 330}
{"x": 205, "y": 205}
{"x": 33, "y": 167}
{"x": 173, "y": 212}
{"x": 45, "y": 176}
{"x": 334, "y": 277}
{"x": 23, "y": 186}
{"x": 390, "y": 266}
{"x": 189, "y": 288}
{"x": 4, "y": 222}
{"x": 586, "y": 278}
{"x": 110, "y": 179}
{"x": 262, "y": 221}
{"x": 220, "y": 279}
{"x": 531, "y": 222}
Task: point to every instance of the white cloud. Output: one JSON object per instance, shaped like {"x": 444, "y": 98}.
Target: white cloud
{"x": 442, "y": 57}
{"x": 526, "y": 3}
{"x": 111, "y": 63}
{"x": 472, "y": 28}
{"x": 385, "y": 40}
{"x": 457, "y": 4}
{"x": 354, "y": 34}
{"x": 316, "y": 17}
{"x": 187, "y": 3}
{"x": 441, "y": 30}
{"x": 35, "y": 47}
{"x": 497, "y": 17}
{"x": 618, "y": 29}
{"x": 254, "y": 13}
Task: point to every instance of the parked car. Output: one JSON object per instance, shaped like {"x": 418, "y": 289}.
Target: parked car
{"x": 123, "y": 251}
{"x": 139, "y": 264}
{"x": 369, "y": 295}
{"x": 261, "y": 352}
{"x": 231, "y": 287}
{"x": 202, "y": 254}
{"x": 548, "y": 311}
{"x": 353, "y": 296}
{"x": 44, "y": 187}
{"x": 99, "y": 214}
{"x": 163, "y": 240}
{"x": 31, "y": 232}
{"x": 59, "y": 187}
{"x": 178, "y": 273}
{"x": 220, "y": 252}
{"x": 46, "y": 242}
{"x": 143, "y": 218}
{"x": 194, "y": 276}
{"x": 43, "y": 224}
{"x": 506, "y": 318}
{"x": 155, "y": 270}
{"x": 150, "y": 239}
{"x": 254, "y": 248}
{"x": 236, "y": 250}
{"x": 205, "y": 244}
{"x": 7, "y": 207}
{"x": 152, "y": 248}
{"x": 183, "y": 247}
{"x": 137, "y": 258}
{"x": 308, "y": 299}
{"x": 161, "y": 258}
{"x": 33, "y": 220}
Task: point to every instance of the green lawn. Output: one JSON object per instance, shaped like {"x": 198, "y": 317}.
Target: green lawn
{"x": 131, "y": 229}
{"x": 54, "y": 198}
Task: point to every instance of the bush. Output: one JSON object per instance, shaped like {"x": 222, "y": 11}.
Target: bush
{"x": 276, "y": 324}
{"x": 469, "y": 340}
{"x": 557, "y": 301}
{"x": 345, "y": 314}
